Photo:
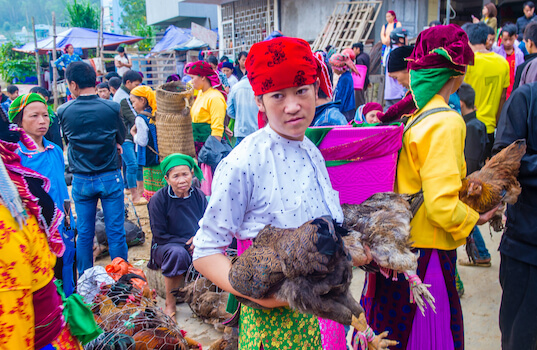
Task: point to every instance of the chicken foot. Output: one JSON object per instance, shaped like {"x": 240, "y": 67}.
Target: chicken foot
{"x": 367, "y": 337}
{"x": 419, "y": 292}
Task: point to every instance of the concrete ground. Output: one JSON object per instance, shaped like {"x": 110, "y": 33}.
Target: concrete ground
{"x": 480, "y": 302}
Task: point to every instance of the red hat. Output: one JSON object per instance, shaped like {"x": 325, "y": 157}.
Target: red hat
{"x": 371, "y": 106}
{"x": 280, "y": 63}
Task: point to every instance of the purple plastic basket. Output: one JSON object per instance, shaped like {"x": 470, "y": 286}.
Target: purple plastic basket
{"x": 373, "y": 154}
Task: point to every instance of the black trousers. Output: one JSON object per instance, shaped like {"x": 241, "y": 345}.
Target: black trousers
{"x": 488, "y": 147}
{"x": 518, "y": 310}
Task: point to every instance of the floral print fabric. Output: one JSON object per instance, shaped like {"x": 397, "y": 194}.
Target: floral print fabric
{"x": 278, "y": 329}
{"x": 26, "y": 265}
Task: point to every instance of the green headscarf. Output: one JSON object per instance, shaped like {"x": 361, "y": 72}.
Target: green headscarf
{"x": 177, "y": 159}
{"x": 425, "y": 83}
{"x": 23, "y": 101}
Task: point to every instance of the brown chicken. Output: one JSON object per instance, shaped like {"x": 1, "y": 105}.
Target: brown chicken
{"x": 308, "y": 267}
{"x": 160, "y": 338}
{"x": 122, "y": 309}
{"x": 382, "y": 223}
{"x": 495, "y": 183}
{"x": 204, "y": 300}
{"x": 229, "y": 340}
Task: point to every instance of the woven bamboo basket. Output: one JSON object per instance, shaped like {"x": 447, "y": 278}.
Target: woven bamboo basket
{"x": 173, "y": 121}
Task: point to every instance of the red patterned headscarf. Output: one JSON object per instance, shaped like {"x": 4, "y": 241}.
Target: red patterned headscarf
{"x": 325, "y": 84}
{"x": 279, "y": 64}
{"x": 204, "y": 69}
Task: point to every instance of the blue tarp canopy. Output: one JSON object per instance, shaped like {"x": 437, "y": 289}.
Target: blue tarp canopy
{"x": 80, "y": 38}
{"x": 178, "y": 39}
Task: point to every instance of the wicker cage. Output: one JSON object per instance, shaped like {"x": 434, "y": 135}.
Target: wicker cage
{"x": 173, "y": 121}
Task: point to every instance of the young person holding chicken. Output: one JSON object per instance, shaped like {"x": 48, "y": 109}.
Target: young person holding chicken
{"x": 431, "y": 160}
{"x": 274, "y": 176}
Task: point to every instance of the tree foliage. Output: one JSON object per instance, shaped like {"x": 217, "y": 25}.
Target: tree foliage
{"x": 134, "y": 16}
{"x": 145, "y": 32}
{"x": 15, "y": 64}
{"x": 82, "y": 14}
{"x": 134, "y": 20}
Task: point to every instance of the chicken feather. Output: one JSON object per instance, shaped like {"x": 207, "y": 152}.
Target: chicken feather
{"x": 308, "y": 267}
{"x": 496, "y": 183}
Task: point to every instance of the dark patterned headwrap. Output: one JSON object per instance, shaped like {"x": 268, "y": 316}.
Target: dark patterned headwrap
{"x": 441, "y": 53}
{"x": 442, "y": 47}
{"x": 279, "y": 64}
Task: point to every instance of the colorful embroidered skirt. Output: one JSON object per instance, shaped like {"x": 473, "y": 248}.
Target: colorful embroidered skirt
{"x": 278, "y": 329}
{"x": 390, "y": 310}
{"x": 153, "y": 181}
{"x": 64, "y": 341}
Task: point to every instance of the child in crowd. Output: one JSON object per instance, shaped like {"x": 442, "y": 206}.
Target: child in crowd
{"x": 474, "y": 153}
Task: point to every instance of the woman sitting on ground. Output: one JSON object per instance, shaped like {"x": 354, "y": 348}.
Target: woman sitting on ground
{"x": 30, "y": 112}
{"x": 144, "y": 134}
{"x": 174, "y": 213}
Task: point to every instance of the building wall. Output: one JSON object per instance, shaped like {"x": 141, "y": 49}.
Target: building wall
{"x": 432, "y": 13}
{"x": 305, "y": 18}
{"x": 161, "y": 10}
{"x": 112, "y": 16}
{"x": 181, "y": 13}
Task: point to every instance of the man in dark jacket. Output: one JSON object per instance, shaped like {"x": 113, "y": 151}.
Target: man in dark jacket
{"x": 94, "y": 131}
{"x": 363, "y": 59}
{"x": 474, "y": 153}
{"x": 522, "y": 22}
{"x": 518, "y": 247}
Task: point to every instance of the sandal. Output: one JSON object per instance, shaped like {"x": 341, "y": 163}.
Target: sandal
{"x": 142, "y": 201}
{"x": 477, "y": 262}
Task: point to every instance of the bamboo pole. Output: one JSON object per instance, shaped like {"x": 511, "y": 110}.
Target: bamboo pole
{"x": 37, "y": 66}
{"x": 54, "y": 69}
{"x": 98, "y": 54}
{"x": 101, "y": 43}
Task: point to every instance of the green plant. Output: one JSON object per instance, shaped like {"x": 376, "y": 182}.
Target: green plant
{"x": 82, "y": 14}
{"x": 15, "y": 64}
{"x": 145, "y": 31}
{"x": 133, "y": 15}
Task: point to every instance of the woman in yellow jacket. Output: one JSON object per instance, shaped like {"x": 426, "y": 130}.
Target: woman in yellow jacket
{"x": 432, "y": 160}
{"x": 208, "y": 112}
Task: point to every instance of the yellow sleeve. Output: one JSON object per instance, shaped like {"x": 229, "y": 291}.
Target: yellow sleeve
{"x": 441, "y": 154}
{"x": 16, "y": 298}
{"x": 506, "y": 75}
{"x": 216, "y": 105}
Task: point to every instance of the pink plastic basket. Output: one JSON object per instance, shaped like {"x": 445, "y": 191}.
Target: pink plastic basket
{"x": 373, "y": 153}
{"x": 359, "y": 80}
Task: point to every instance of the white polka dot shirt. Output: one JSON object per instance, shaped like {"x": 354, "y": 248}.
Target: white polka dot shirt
{"x": 266, "y": 179}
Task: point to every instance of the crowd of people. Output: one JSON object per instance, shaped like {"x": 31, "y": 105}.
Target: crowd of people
{"x": 464, "y": 94}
